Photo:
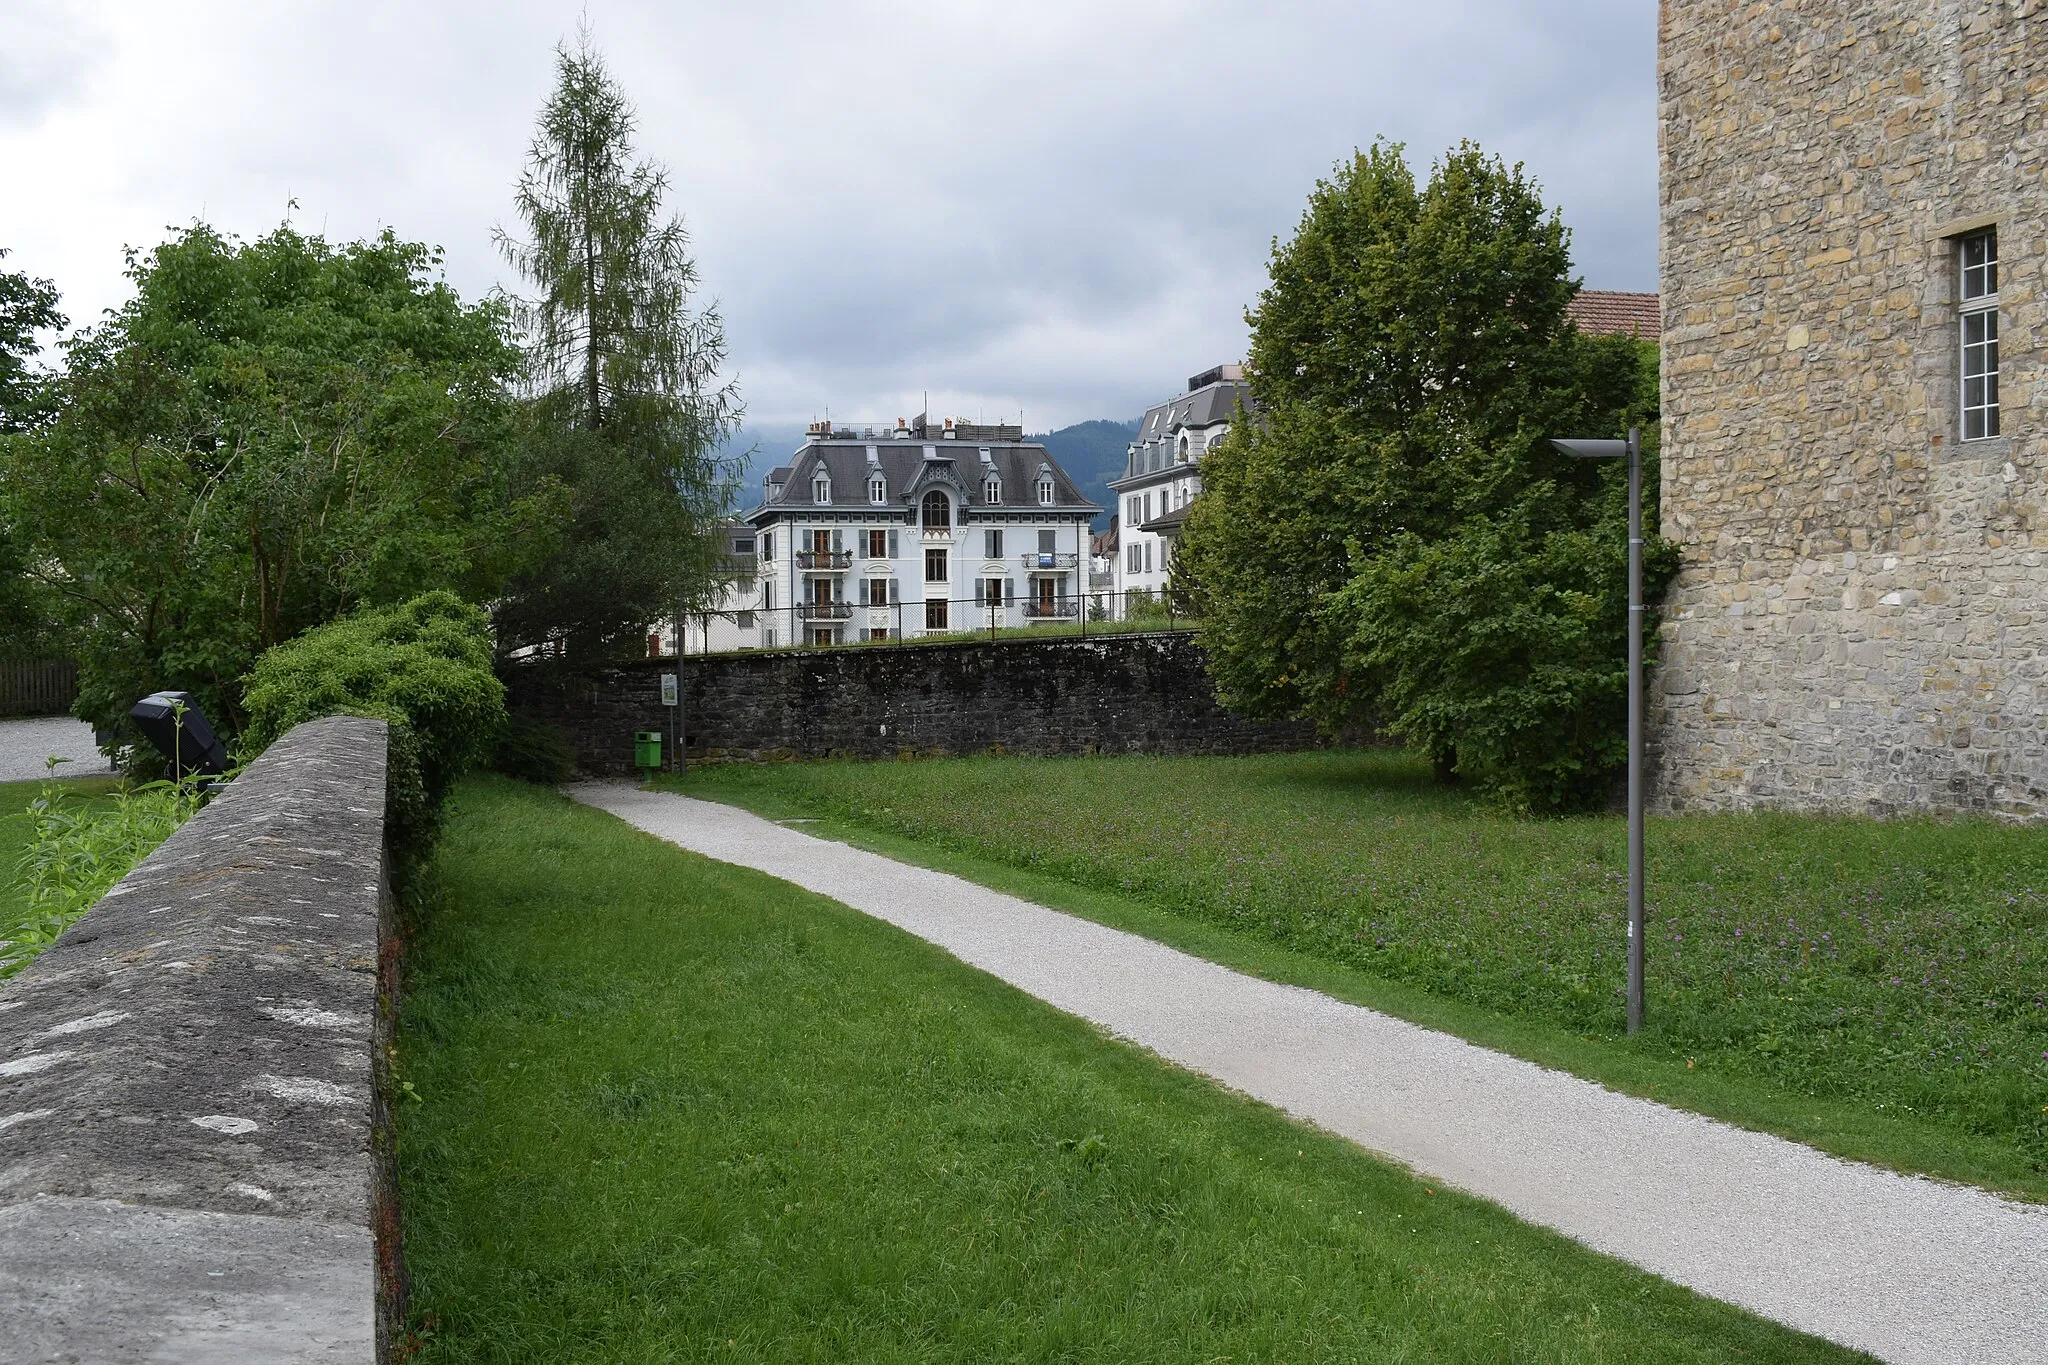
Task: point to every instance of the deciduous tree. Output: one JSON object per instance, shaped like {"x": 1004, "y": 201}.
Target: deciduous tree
{"x": 266, "y": 436}
{"x": 28, "y": 623}
{"x": 1393, "y": 541}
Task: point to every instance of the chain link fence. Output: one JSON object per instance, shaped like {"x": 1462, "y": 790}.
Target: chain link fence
{"x": 996, "y": 611}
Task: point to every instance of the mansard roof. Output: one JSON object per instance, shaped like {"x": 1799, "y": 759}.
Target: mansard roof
{"x": 1205, "y": 407}
{"x": 908, "y": 470}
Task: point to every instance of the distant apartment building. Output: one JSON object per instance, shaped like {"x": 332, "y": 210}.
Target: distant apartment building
{"x": 730, "y": 623}
{"x": 1162, "y": 476}
{"x": 926, "y": 528}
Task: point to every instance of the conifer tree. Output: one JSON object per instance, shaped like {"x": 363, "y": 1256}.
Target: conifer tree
{"x": 628, "y": 409}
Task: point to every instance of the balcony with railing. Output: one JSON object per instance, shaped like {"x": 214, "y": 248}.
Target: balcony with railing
{"x": 824, "y": 561}
{"x": 824, "y": 611}
{"x": 1057, "y": 609}
{"x": 1048, "y": 560}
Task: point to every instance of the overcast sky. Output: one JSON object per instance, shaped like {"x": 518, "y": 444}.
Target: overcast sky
{"x": 1056, "y": 208}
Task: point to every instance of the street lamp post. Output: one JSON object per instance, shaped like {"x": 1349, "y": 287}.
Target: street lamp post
{"x": 1632, "y": 451}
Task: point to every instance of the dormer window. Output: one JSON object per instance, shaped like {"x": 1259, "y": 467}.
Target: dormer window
{"x": 821, "y": 488}
{"x": 878, "y": 490}
{"x": 936, "y": 512}
{"x": 1045, "y": 490}
{"x": 992, "y": 491}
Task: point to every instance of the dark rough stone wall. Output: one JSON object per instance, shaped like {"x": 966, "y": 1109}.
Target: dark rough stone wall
{"x": 190, "y": 1127}
{"x": 1111, "y": 694}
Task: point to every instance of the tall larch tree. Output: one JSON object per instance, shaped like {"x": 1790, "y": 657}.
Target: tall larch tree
{"x": 628, "y": 408}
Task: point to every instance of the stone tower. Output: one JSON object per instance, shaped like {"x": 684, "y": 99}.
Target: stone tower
{"x": 1854, "y": 223}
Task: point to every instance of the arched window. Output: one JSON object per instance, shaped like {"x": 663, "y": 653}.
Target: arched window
{"x": 992, "y": 491}
{"x": 821, "y": 488}
{"x": 878, "y": 490}
{"x": 936, "y": 512}
{"x": 1180, "y": 454}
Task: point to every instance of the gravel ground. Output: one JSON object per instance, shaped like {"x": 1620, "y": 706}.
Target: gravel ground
{"x": 1905, "y": 1268}
{"x": 26, "y": 742}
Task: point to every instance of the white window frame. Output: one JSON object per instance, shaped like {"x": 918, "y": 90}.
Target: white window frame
{"x": 1046, "y": 491}
{"x": 878, "y": 490}
{"x": 1977, "y": 336}
{"x": 821, "y": 490}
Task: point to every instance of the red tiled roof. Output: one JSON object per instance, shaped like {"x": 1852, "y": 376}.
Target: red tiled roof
{"x": 1607, "y": 312}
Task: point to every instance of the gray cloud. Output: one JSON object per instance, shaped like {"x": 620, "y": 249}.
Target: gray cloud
{"x": 43, "y": 60}
{"x": 1064, "y": 208}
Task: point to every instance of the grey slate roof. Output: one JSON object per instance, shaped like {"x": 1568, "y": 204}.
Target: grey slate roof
{"x": 1204, "y": 407}
{"x": 908, "y": 473}
{"x": 1168, "y": 522}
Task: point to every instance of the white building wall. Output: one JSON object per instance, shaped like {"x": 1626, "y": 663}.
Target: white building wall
{"x": 1143, "y": 562}
{"x": 783, "y": 579}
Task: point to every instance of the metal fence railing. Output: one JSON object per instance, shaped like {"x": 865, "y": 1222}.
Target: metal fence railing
{"x": 37, "y": 687}
{"x": 996, "y": 614}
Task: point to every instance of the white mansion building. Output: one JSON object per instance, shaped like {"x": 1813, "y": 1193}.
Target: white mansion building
{"x": 920, "y": 530}
{"x": 1162, "y": 475}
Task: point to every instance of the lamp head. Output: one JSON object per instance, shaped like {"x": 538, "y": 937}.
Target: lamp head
{"x": 1592, "y": 450}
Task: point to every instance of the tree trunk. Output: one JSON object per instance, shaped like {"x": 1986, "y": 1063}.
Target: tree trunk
{"x": 590, "y": 309}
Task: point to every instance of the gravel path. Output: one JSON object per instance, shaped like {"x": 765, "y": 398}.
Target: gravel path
{"x": 25, "y": 743}
{"x": 1904, "y": 1268}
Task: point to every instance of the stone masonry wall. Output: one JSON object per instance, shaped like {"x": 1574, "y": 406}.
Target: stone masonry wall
{"x": 1135, "y": 693}
{"x": 187, "y": 1096}
{"x": 1860, "y": 621}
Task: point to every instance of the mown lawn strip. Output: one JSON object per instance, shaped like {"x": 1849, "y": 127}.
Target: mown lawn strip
{"x": 674, "y": 1110}
{"x": 1761, "y": 1062}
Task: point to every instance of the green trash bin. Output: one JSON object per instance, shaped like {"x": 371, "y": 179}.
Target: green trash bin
{"x": 647, "y": 751}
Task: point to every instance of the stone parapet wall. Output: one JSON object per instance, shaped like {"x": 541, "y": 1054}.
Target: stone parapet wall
{"x": 189, "y": 1164}
{"x": 1861, "y": 618}
{"x": 1110, "y": 694}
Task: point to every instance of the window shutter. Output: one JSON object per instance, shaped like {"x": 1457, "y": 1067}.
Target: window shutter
{"x": 892, "y": 546}
{"x": 979, "y": 600}
{"x": 838, "y": 544}
{"x": 894, "y": 595}
{"x": 1009, "y": 591}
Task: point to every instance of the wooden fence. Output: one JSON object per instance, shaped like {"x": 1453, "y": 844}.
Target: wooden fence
{"x": 37, "y": 687}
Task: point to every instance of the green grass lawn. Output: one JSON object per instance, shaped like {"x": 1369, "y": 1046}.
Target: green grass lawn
{"x": 15, "y": 830}
{"x": 1879, "y": 989}
{"x": 675, "y": 1110}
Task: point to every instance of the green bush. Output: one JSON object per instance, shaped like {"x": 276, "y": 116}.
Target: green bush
{"x": 77, "y": 850}
{"x": 424, "y": 666}
{"x": 1505, "y": 652}
{"x": 533, "y": 751}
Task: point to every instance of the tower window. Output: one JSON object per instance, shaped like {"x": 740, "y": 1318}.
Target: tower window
{"x": 1979, "y": 334}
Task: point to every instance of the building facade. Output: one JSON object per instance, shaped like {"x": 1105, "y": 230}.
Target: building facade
{"x": 1853, "y": 227}
{"x": 920, "y": 530}
{"x": 1162, "y": 476}
{"x": 731, "y": 623}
